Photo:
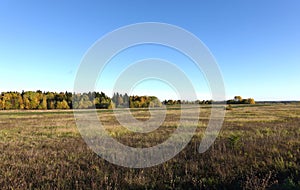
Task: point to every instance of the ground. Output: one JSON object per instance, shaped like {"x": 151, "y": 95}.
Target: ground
{"x": 258, "y": 147}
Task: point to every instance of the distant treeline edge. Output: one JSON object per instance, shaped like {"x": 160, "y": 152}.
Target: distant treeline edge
{"x": 38, "y": 100}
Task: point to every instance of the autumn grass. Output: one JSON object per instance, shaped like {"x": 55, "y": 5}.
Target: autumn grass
{"x": 257, "y": 148}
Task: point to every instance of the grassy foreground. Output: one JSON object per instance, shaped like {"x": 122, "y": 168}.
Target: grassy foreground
{"x": 257, "y": 148}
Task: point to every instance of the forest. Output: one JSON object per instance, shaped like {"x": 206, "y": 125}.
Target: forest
{"x": 38, "y": 100}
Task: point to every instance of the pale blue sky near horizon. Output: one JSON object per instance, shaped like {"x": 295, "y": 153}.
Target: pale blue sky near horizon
{"x": 256, "y": 43}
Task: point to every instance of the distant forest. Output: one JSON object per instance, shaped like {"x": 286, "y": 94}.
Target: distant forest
{"x": 38, "y": 100}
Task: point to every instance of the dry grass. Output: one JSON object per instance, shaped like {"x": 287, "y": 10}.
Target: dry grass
{"x": 258, "y": 148}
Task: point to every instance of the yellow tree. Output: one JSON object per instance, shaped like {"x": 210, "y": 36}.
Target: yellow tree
{"x": 7, "y": 101}
{"x": 43, "y": 104}
{"x": 1, "y": 105}
{"x": 62, "y": 105}
{"x": 238, "y": 98}
{"x": 20, "y": 100}
{"x": 26, "y": 102}
{"x": 251, "y": 101}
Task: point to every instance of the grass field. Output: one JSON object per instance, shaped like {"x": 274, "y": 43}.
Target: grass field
{"x": 257, "y": 148}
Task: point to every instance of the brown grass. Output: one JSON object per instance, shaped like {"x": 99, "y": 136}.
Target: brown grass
{"x": 257, "y": 148}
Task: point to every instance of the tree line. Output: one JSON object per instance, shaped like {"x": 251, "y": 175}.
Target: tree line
{"x": 240, "y": 100}
{"x": 52, "y": 100}
{"x": 178, "y": 102}
{"x": 235, "y": 100}
{"x": 39, "y": 100}
{"x": 125, "y": 101}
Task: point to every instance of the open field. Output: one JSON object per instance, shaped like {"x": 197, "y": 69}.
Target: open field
{"x": 257, "y": 148}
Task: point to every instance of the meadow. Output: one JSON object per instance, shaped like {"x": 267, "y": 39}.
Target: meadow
{"x": 258, "y": 148}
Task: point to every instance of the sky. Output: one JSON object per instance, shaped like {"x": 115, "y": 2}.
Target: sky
{"x": 255, "y": 43}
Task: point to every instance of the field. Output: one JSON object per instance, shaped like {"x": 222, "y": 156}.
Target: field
{"x": 258, "y": 148}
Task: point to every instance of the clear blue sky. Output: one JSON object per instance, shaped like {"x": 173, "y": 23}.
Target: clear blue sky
{"x": 255, "y": 42}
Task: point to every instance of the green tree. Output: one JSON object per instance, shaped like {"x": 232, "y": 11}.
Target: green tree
{"x": 50, "y": 100}
{"x": 156, "y": 102}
